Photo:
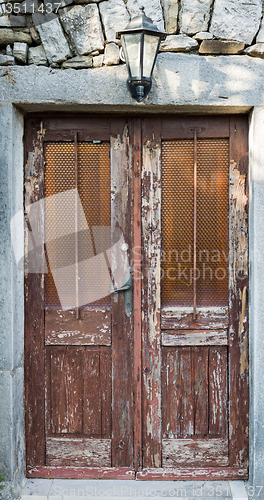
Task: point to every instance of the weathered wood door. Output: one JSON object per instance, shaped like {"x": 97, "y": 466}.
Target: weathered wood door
{"x": 194, "y": 297}
{"x": 79, "y": 338}
{"x": 151, "y": 380}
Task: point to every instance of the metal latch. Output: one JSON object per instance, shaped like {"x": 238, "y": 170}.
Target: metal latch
{"x": 127, "y": 288}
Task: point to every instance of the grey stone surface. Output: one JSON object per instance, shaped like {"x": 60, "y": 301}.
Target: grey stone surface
{"x": 78, "y": 62}
{"x": 180, "y": 80}
{"x": 221, "y": 47}
{"x": 9, "y": 51}
{"x": 115, "y": 17}
{"x": 12, "y": 451}
{"x": 20, "y": 52}
{"x": 236, "y": 20}
{"x": 203, "y": 35}
{"x": 98, "y": 61}
{"x": 8, "y": 36}
{"x": 37, "y": 55}
{"x": 178, "y": 43}
{"x": 12, "y": 22}
{"x": 111, "y": 54}
{"x": 170, "y": 14}
{"x": 152, "y": 9}
{"x": 82, "y": 24}
{"x": 256, "y": 50}
{"x": 256, "y": 313}
{"x": 260, "y": 35}
{"x": 53, "y": 39}
{"x": 194, "y": 16}
{"x": 6, "y": 60}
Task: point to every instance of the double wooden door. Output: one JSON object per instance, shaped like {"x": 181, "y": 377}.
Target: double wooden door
{"x": 136, "y": 286}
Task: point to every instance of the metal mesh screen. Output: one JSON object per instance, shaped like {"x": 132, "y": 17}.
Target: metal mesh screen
{"x": 93, "y": 208}
{"x": 212, "y": 222}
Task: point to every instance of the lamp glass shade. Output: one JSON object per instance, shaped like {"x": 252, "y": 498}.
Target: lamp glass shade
{"x": 149, "y": 54}
{"x": 131, "y": 47}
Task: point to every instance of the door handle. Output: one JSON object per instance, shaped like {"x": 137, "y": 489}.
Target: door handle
{"x": 127, "y": 288}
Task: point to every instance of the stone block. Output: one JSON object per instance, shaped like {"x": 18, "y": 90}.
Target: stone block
{"x": 6, "y": 60}
{"x": 12, "y": 21}
{"x": 82, "y": 24}
{"x": 20, "y": 52}
{"x": 152, "y": 9}
{"x": 34, "y": 34}
{"x": 78, "y": 62}
{"x": 98, "y": 61}
{"x": 9, "y": 51}
{"x": 37, "y": 55}
{"x": 203, "y": 35}
{"x": 111, "y": 55}
{"x": 256, "y": 50}
{"x": 260, "y": 35}
{"x": 236, "y": 20}
{"x": 221, "y": 47}
{"x": 178, "y": 43}
{"x": 8, "y": 36}
{"x": 170, "y": 13}
{"x": 115, "y": 17}
{"x": 53, "y": 39}
{"x": 194, "y": 16}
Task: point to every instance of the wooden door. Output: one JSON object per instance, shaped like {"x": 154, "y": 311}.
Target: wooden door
{"x": 194, "y": 298}
{"x": 153, "y": 384}
{"x": 79, "y": 338}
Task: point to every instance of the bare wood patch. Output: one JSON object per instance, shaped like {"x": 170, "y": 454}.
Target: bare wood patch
{"x": 182, "y": 318}
{"x": 189, "y": 473}
{"x": 78, "y": 451}
{"x": 151, "y": 233}
{"x": 190, "y": 452}
{"x": 194, "y": 337}
{"x": 93, "y": 327}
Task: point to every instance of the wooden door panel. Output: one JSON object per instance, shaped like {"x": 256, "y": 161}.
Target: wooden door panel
{"x": 194, "y": 337}
{"x": 78, "y": 452}
{"x": 93, "y": 327}
{"x": 190, "y": 453}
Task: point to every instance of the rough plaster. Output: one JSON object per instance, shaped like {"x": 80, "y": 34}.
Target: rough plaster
{"x": 182, "y": 84}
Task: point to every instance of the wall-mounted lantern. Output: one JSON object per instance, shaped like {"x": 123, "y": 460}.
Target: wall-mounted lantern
{"x": 140, "y": 42}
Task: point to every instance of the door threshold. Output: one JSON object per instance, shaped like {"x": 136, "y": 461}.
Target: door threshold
{"x": 111, "y": 489}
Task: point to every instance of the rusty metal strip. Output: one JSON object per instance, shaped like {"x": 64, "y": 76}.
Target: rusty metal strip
{"x": 76, "y": 225}
{"x": 194, "y": 221}
{"x": 137, "y": 292}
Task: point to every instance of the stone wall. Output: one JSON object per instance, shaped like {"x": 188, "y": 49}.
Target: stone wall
{"x": 81, "y": 33}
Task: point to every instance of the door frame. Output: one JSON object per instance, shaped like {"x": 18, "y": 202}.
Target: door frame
{"x": 151, "y": 148}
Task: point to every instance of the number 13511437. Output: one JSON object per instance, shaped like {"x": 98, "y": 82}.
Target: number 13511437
{"x": 29, "y": 8}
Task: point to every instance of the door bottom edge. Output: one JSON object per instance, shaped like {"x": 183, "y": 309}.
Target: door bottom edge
{"x": 193, "y": 473}
{"x": 80, "y": 472}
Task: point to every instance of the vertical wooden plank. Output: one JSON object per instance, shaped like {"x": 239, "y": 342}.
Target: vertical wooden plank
{"x": 171, "y": 393}
{"x": 151, "y": 235}
{"x": 217, "y": 391}
{"x": 201, "y": 391}
{"x": 122, "y": 340}
{"x": 137, "y": 154}
{"x": 186, "y": 377}
{"x": 91, "y": 393}
{"x": 34, "y": 303}
{"x": 66, "y": 383}
{"x": 106, "y": 386}
{"x": 238, "y": 293}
